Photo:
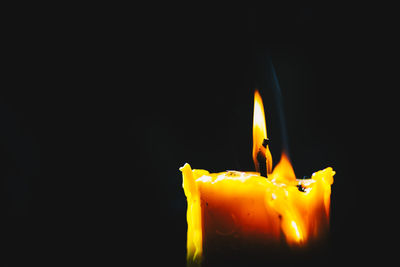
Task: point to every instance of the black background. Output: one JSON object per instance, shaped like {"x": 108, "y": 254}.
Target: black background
{"x": 101, "y": 108}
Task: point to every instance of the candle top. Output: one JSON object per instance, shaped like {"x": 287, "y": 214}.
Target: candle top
{"x": 245, "y": 177}
{"x": 228, "y": 175}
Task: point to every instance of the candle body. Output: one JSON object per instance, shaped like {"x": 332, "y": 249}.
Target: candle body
{"x": 239, "y": 209}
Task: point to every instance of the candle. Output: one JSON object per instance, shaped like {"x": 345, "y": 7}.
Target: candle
{"x": 245, "y": 208}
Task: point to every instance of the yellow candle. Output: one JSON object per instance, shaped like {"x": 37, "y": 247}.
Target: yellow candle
{"x": 247, "y": 208}
{"x": 250, "y": 207}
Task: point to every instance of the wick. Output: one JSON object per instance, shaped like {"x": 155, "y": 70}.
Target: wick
{"x": 261, "y": 158}
{"x": 265, "y": 143}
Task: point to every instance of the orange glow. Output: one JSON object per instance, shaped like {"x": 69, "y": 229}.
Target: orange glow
{"x": 304, "y": 213}
{"x": 260, "y": 133}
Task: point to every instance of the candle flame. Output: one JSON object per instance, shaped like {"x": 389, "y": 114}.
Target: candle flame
{"x": 283, "y": 171}
{"x": 259, "y": 134}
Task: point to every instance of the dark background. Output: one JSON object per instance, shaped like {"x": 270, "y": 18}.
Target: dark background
{"x": 101, "y": 108}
